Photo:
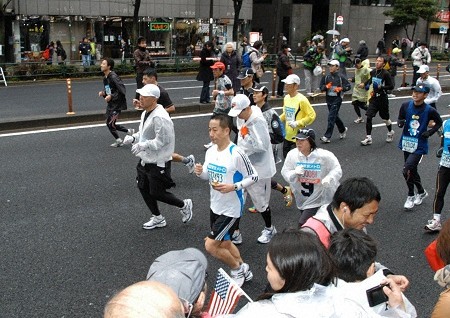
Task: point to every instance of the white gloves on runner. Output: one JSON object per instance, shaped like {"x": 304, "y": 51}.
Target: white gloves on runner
{"x": 300, "y": 170}
{"x": 128, "y": 140}
{"x": 326, "y": 181}
{"x": 292, "y": 124}
{"x": 137, "y": 148}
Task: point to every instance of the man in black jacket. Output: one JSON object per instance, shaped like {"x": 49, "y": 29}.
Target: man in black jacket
{"x": 115, "y": 97}
{"x": 142, "y": 61}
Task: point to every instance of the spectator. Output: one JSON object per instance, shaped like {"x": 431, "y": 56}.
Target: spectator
{"x": 381, "y": 47}
{"x": 404, "y": 46}
{"x": 93, "y": 50}
{"x": 60, "y": 53}
{"x": 283, "y": 68}
{"x": 442, "y": 276}
{"x": 300, "y": 275}
{"x": 185, "y": 272}
{"x": 142, "y": 61}
{"x": 420, "y": 56}
{"x": 232, "y": 65}
{"x": 312, "y": 60}
{"x": 342, "y": 53}
{"x": 395, "y": 43}
{"x": 363, "y": 50}
{"x": 257, "y": 58}
{"x": 85, "y": 50}
{"x": 431, "y": 82}
{"x": 205, "y": 73}
{"x": 145, "y": 299}
{"x": 393, "y": 62}
{"x": 354, "y": 253}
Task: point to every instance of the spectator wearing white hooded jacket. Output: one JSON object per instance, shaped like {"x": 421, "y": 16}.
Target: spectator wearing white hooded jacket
{"x": 420, "y": 56}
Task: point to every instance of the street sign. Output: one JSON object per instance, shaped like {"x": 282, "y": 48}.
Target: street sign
{"x": 340, "y": 20}
{"x": 443, "y": 29}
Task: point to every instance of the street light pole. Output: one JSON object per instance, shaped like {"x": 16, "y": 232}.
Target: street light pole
{"x": 211, "y": 14}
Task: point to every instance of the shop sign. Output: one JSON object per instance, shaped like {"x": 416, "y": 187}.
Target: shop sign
{"x": 443, "y": 16}
{"x": 159, "y": 26}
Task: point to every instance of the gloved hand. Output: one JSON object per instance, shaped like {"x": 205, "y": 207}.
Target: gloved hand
{"x": 244, "y": 131}
{"x": 401, "y": 123}
{"x": 128, "y": 140}
{"x": 426, "y": 134}
{"x": 292, "y": 124}
{"x": 367, "y": 87}
{"x": 338, "y": 89}
{"x": 137, "y": 148}
{"x": 300, "y": 170}
{"x": 440, "y": 151}
{"x": 375, "y": 86}
{"x": 329, "y": 84}
{"x": 326, "y": 181}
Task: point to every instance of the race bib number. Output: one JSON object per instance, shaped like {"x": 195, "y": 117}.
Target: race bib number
{"x": 312, "y": 172}
{"x": 409, "y": 144}
{"x": 290, "y": 113}
{"x": 107, "y": 90}
{"x": 376, "y": 81}
{"x": 216, "y": 174}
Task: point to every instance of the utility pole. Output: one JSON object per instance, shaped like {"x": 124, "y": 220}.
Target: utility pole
{"x": 211, "y": 14}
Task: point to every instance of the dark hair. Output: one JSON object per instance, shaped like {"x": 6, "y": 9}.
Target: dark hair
{"x": 257, "y": 44}
{"x": 109, "y": 62}
{"x": 383, "y": 57}
{"x": 352, "y": 252}
{"x": 140, "y": 40}
{"x": 209, "y": 43}
{"x": 443, "y": 242}
{"x": 357, "y": 61}
{"x": 284, "y": 46}
{"x": 224, "y": 120}
{"x": 301, "y": 260}
{"x": 58, "y": 43}
{"x": 151, "y": 72}
{"x": 355, "y": 192}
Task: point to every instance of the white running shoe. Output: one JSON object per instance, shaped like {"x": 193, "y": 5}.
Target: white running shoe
{"x": 367, "y": 141}
{"x": 288, "y": 197}
{"x": 155, "y": 221}
{"x": 236, "y": 238}
{"x": 419, "y": 197}
{"x": 238, "y": 275}
{"x": 267, "y": 234}
{"x": 344, "y": 134}
{"x": 409, "y": 203}
{"x": 130, "y": 132}
{"x": 247, "y": 272}
{"x": 186, "y": 210}
{"x": 117, "y": 143}
{"x": 191, "y": 164}
{"x": 358, "y": 120}
{"x": 390, "y": 136}
{"x": 433, "y": 226}
{"x": 325, "y": 140}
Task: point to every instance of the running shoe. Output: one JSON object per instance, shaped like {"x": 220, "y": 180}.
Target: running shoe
{"x": 409, "y": 203}
{"x": 358, "y": 120}
{"x": 236, "y": 238}
{"x": 343, "y": 134}
{"x": 419, "y": 197}
{"x": 117, "y": 143}
{"x": 433, "y": 226}
{"x": 252, "y": 209}
{"x": 247, "y": 272}
{"x": 367, "y": 141}
{"x": 267, "y": 234}
{"x": 186, "y": 210}
{"x": 238, "y": 275}
{"x": 390, "y": 136}
{"x": 325, "y": 140}
{"x": 155, "y": 221}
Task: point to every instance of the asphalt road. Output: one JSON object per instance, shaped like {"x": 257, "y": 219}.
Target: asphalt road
{"x": 49, "y": 98}
{"x": 71, "y": 231}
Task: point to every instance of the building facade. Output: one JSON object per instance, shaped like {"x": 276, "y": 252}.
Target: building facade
{"x": 170, "y": 26}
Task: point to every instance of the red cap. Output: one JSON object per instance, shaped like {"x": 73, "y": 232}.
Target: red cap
{"x": 219, "y": 65}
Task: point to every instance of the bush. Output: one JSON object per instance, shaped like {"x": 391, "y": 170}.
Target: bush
{"x": 440, "y": 56}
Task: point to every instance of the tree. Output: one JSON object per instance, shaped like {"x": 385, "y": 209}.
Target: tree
{"x": 237, "y": 10}
{"x": 407, "y": 12}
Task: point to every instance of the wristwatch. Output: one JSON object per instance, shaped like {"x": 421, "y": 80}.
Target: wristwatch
{"x": 235, "y": 187}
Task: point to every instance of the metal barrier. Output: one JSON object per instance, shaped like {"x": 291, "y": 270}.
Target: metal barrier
{"x": 2, "y": 77}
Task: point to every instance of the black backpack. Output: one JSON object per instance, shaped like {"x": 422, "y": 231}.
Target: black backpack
{"x": 63, "y": 54}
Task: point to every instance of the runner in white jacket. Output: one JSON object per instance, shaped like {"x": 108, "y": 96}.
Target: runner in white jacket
{"x": 313, "y": 174}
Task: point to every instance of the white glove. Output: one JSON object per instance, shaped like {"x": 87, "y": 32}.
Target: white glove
{"x": 326, "y": 181}
{"x": 128, "y": 140}
{"x": 300, "y": 170}
{"x": 292, "y": 124}
{"x": 137, "y": 148}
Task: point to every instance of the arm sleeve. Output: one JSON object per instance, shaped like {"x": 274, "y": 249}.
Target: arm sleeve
{"x": 322, "y": 84}
{"x": 346, "y": 86}
{"x": 434, "y": 98}
{"x": 402, "y": 111}
{"x": 255, "y": 141}
{"x": 277, "y": 134}
{"x": 306, "y": 115}
{"x": 434, "y": 115}
{"x": 387, "y": 82}
{"x": 245, "y": 167}
{"x": 165, "y": 100}
{"x": 335, "y": 172}
{"x": 288, "y": 170}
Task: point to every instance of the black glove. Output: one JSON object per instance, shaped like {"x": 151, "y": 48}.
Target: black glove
{"x": 401, "y": 122}
{"x": 426, "y": 134}
{"x": 439, "y": 152}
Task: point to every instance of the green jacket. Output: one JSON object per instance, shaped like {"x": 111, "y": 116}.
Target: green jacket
{"x": 312, "y": 58}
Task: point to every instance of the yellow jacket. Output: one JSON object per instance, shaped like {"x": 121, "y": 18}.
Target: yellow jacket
{"x": 296, "y": 109}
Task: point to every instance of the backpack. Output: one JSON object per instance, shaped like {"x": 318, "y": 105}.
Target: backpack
{"x": 46, "y": 54}
{"x": 63, "y": 54}
{"x": 246, "y": 62}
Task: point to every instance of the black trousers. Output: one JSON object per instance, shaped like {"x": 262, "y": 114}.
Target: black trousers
{"x": 111, "y": 118}
{"x": 153, "y": 182}
{"x": 442, "y": 181}
{"x": 410, "y": 172}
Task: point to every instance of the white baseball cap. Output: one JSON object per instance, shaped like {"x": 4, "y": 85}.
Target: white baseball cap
{"x": 238, "y": 104}
{"x": 334, "y": 62}
{"x": 292, "y": 79}
{"x": 423, "y": 69}
{"x": 149, "y": 90}
{"x": 346, "y": 40}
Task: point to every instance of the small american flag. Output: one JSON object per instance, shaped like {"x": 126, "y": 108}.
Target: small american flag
{"x": 225, "y": 295}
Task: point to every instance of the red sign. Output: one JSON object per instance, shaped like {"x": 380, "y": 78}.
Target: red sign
{"x": 340, "y": 20}
{"x": 443, "y": 16}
